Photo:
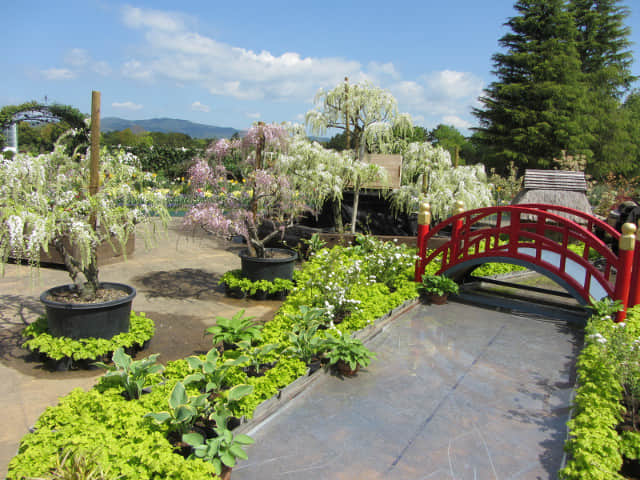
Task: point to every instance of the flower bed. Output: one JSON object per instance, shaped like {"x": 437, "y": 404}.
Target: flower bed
{"x": 56, "y": 351}
{"x": 366, "y": 282}
{"x": 604, "y": 440}
{"x": 238, "y": 286}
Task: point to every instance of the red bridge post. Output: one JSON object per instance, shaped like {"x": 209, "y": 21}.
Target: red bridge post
{"x": 623, "y": 275}
{"x": 424, "y": 220}
{"x": 457, "y": 227}
{"x": 634, "y": 294}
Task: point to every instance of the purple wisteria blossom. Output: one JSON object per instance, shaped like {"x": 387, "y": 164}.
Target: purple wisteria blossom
{"x": 259, "y": 207}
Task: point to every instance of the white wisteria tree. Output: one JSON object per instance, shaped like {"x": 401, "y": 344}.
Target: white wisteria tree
{"x": 365, "y": 112}
{"x": 323, "y": 174}
{"x": 428, "y": 175}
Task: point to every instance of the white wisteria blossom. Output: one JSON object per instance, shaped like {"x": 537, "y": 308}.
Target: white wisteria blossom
{"x": 428, "y": 175}
{"x": 370, "y": 116}
{"x": 45, "y": 204}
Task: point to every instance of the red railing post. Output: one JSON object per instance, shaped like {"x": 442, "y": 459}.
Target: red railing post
{"x": 623, "y": 276}
{"x": 424, "y": 220}
{"x": 455, "y": 231}
{"x": 634, "y": 294}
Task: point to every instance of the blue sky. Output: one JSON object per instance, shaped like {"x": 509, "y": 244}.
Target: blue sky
{"x": 230, "y": 64}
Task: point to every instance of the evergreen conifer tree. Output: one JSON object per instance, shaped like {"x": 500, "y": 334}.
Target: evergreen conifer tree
{"x": 536, "y": 108}
{"x": 603, "y": 47}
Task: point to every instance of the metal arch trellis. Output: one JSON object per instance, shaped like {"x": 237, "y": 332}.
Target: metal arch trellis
{"x": 37, "y": 112}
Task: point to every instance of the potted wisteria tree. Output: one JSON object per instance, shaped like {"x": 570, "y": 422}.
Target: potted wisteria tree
{"x": 45, "y": 206}
{"x": 259, "y": 206}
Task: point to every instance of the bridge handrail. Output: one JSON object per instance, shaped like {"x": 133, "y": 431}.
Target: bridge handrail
{"x": 591, "y": 220}
{"x": 456, "y": 250}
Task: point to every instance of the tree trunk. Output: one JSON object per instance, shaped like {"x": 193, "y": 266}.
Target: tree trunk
{"x": 356, "y": 200}
{"x": 337, "y": 216}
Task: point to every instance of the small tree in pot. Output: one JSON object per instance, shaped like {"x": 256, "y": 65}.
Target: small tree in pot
{"x": 45, "y": 204}
{"x": 261, "y": 205}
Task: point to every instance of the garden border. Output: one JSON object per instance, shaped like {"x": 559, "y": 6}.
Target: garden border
{"x": 272, "y": 406}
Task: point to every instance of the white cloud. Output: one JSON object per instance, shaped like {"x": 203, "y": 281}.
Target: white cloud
{"x": 79, "y": 61}
{"x": 154, "y": 19}
{"x": 58, "y": 74}
{"x": 101, "y": 68}
{"x": 136, "y": 70}
{"x": 200, "y": 107}
{"x": 188, "y": 57}
{"x": 174, "y": 52}
{"x": 383, "y": 69}
{"x": 451, "y": 84}
{"x": 456, "y": 121}
{"x": 127, "y": 105}
{"x": 77, "y": 58}
{"x": 254, "y": 115}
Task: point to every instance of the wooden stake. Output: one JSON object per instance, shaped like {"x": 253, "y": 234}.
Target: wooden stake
{"x": 94, "y": 166}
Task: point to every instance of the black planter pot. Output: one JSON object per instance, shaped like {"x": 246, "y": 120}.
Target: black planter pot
{"x": 255, "y": 268}
{"x": 83, "y": 320}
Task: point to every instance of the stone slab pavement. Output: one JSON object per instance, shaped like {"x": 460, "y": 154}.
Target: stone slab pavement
{"x": 457, "y": 392}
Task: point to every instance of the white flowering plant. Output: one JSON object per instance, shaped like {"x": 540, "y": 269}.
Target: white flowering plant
{"x": 387, "y": 262}
{"x": 428, "y": 175}
{"x": 45, "y": 205}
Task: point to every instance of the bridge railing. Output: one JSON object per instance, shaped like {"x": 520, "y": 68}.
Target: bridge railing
{"x": 532, "y": 233}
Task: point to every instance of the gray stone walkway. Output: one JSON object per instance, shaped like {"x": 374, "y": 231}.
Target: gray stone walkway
{"x": 457, "y": 392}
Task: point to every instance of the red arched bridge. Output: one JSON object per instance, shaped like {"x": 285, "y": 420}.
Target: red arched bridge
{"x": 536, "y": 236}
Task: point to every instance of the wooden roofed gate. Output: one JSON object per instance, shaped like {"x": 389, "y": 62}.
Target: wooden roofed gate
{"x": 563, "y": 188}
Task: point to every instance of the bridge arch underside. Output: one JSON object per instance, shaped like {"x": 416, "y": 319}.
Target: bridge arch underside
{"x": 461, "y": 270}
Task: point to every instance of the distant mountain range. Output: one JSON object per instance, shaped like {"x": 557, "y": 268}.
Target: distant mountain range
{"x": 167, "y": 125}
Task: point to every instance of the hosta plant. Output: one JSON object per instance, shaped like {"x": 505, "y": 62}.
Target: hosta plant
{"x": 183, "y": 410}
{"x": 438, "y": 285}
{"x": 132, "y": 375}
{"x": 349, "y": 350}
{"x": 45, "y": 204}
{"x": 223, "y": 449}
{"x": 235, "y": 329}
{"x": 212, "y": 369}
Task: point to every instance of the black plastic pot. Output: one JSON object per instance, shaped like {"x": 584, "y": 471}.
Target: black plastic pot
{"x": 83, "y": 320}
{"x": 255, "y": 268}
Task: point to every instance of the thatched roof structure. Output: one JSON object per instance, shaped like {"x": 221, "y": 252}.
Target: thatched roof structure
{"x": 555, "y": 187}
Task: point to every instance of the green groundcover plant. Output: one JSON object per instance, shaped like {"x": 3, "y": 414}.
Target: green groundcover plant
{"x": 604, "y": 427}
{"x": 40, "y": 341}
{"x": 233, "y": 279}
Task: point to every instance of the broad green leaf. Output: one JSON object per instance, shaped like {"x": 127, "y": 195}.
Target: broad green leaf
{"x": 194, "y": 362}
{"x": 243, "y": 439}
{"x": 121, "y": 359}
{"x": 228, "y": 459}
{"x": 217, "y": 465}
{"x": 238, "y": 452}
{"x": 237, "y": 392}
{"x": 193, "y": 378}
{"x": 178, "y": 396}
{"x": 193, "y": 439}
{"x": 185, "y": 413}
{"x": 159, "y": 417}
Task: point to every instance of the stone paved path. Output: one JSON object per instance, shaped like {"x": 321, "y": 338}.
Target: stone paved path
{"x": 457, "y": 392}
